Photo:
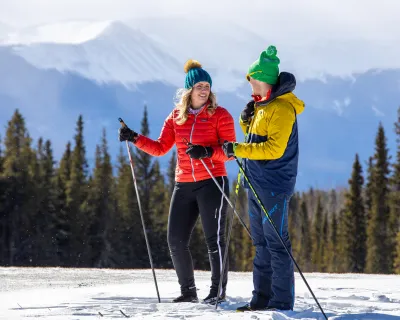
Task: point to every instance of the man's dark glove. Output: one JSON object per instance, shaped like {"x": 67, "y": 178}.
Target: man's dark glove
{"x": 229, "y": 148}
{"x": 196, "y": 151}
{"x": 248, "y": 111}
{"x": 127, "y": 134}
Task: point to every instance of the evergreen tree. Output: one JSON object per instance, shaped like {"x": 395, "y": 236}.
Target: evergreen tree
{"x": 394, "y": 219}
{"x": 333, "y": 202}
{"x": 294, "y": 223}
{"x": 354, "y": 223}
{"x": 341, "y": 242}
{"x": 159, "y": 215}
{"x": 317, "y": 236}
{"x": 132, "y": 248}
{"x": 46, "y": 202}
{"x": 101, "y": 208}
{"x": 377, "y": 233}
{"x": 396, "y": 264}
{"x": 3, "y": 221}
{"x": 1, "y": 155}
{"x": 18, "y": 184}
{"x": 151, "y": 186}
{"x": 323, "y": 250}
{"x": 305, "y": 244}
{"x": 143, "y": 168}
{"x": 333, "y": 244}
{"x": 369, "y": 187}
{"x": 63, "y": 222}
{"x": 240, "y": 246}
{"x": 76, "y": 198}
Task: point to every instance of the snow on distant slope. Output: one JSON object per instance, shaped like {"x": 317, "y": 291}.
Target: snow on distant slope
{"x": 141, "y": 50}
{"x": 72, "y": 32}
{"x": 104, "y": 52}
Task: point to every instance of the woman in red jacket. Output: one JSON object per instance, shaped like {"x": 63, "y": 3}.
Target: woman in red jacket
{"x": 199, "y": 120}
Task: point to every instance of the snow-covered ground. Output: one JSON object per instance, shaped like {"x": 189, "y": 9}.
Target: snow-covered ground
{"x": 57, "y": 293}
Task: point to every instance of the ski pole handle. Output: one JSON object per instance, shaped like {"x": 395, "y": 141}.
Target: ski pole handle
{"x": 122, "y": 122}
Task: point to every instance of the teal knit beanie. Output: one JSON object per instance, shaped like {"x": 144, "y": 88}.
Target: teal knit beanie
{"x": 195, "y": 73}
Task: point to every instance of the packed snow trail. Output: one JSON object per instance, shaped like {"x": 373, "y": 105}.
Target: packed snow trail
{"x": 58, "y": 293}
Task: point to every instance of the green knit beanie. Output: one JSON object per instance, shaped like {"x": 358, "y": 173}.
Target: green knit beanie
{"x": 265, "y": 68}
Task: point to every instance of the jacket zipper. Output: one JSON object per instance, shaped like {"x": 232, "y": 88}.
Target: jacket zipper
{"x": 190, "y": 140}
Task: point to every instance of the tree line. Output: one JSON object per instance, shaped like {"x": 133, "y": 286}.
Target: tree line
{"x": 60, "y": 213}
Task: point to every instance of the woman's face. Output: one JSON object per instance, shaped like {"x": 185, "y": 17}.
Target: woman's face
{"x": 200, "y": 94}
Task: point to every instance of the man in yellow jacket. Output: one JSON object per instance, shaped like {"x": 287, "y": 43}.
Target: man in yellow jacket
{"x": 270, "y": 160}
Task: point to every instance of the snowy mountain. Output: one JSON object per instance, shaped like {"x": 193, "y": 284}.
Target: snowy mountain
{"x": 57, "y": 293}
{"x": 104, "y": 52}
{"x": 112, "y": 51}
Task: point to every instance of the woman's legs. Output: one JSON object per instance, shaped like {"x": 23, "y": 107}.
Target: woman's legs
{"x": 181, "y": 221}
{"x": 213, "y": 207}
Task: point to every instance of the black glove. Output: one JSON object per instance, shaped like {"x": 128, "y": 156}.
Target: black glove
{"x": 248, "y": 111}
{"x": 196, "y": 151}
{"x": 127, "y": 134}
{"x": 229, "y": 148}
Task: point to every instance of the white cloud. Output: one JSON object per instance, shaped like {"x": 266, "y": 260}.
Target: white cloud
{"x": 377, "y": 112}
{"x": 339, "y": 106}
{"x": 346, "y": 101}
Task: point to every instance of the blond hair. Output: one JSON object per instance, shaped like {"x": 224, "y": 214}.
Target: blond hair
{"x": 184, "y": 100}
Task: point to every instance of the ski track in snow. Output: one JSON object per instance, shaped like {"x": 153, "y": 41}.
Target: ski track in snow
{"x": 58, "y": 293}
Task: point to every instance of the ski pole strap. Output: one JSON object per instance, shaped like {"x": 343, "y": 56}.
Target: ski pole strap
{"x": 237, "y": 184}
{"x": 240, "y": 173}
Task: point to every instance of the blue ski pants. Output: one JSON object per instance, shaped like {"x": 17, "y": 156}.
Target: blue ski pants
{"x": 273, "y": 271}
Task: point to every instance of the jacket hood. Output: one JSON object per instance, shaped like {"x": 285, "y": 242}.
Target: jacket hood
{"x": 283, "y": 89}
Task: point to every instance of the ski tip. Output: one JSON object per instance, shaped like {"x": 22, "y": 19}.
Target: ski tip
{"x": 124, "y": 314}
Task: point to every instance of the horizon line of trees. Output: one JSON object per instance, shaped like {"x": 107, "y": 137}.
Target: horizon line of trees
{"x": 63, "y": 214}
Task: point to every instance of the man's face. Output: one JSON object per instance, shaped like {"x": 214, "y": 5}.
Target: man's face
{"x": 256, "y": 87}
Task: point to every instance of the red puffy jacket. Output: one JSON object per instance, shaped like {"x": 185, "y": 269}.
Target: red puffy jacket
{"x": 202, "y": 128}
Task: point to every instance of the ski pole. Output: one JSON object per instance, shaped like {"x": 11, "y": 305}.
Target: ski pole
{"x": 226, "y": 249}
{"x": 140, "y": 210}
{"x": 229, "y": 229}
{"x": 276, "y": 230}
{"x": 227, "y": 240}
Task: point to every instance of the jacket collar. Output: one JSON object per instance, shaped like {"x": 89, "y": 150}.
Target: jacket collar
{"x": 286, "y": 83}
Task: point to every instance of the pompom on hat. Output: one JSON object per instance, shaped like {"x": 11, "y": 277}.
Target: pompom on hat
{"x": 195, "y": 73}
{"x": 266, "y": 67}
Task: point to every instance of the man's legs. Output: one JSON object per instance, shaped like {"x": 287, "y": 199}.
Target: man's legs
{"x": 262, "y": 271}
{"x": 282, "y": 265}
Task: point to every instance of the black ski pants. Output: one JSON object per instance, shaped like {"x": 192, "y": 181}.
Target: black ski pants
{"x": 189, "y": 200}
